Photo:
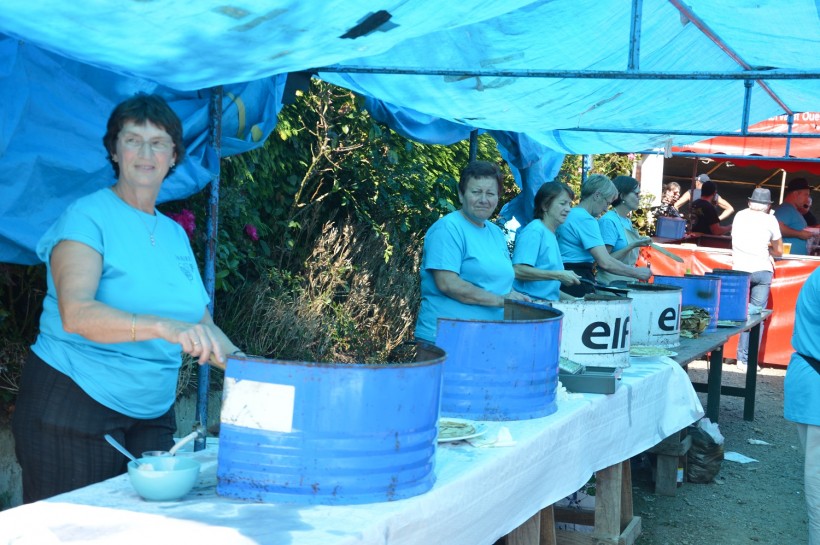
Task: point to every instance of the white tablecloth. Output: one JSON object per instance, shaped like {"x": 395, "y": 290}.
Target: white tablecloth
{"x": 480, "y": 494}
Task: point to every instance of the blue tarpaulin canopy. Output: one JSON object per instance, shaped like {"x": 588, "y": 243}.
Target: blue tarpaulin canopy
{"x": 546, "y": 77}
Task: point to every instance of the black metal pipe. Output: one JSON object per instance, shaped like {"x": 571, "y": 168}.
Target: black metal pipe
{"x": 215, "y": 125}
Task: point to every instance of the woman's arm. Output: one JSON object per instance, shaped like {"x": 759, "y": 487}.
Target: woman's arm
{"x": 623, "y": 252}
{"x": 76, "y": 270}
{"x": 529, "y": 273}
{"x": 683, "y": 200}
{"x": 452, "y": 285}
{"x": 612, "y": 265}
{"x": 727, "y": 208}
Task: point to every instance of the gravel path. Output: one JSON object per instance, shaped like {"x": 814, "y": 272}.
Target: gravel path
{"x": 759, "y": 502}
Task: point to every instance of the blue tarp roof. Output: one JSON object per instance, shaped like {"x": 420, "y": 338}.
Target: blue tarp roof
{"x": 63, "y": 65}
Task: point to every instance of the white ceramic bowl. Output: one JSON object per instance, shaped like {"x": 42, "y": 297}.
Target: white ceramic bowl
{"x": 163, "y": 478}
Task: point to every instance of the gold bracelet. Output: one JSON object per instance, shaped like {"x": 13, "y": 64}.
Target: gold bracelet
{"x": 133, "y": 328}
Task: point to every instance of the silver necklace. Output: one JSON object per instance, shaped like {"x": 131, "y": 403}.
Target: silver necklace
{"x": 150, "y": 231}
{"x": 144, "y": 223}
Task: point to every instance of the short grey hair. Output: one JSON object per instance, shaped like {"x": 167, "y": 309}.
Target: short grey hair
{"x": 759, "y": 206}
{"x": 598, "y": 183}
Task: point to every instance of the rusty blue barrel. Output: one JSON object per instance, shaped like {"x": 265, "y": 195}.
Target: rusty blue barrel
{"x": 734, "y": 294}
{"x": 330, "y": 433}
{"x": 502, "y": 370}
{"x": 700, "y": 291}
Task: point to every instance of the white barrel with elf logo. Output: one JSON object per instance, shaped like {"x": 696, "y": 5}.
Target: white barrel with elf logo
{"x": 655, "y": 314}
{"x": 596, "y": 331}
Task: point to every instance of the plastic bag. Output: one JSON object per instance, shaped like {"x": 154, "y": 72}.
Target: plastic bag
{"x": 706, "y": 453}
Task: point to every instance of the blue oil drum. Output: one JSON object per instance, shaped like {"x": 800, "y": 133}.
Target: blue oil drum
{"x": 502, "y": 370}
{"x": 699, "y": 291}
{"x": 330, "y": 433}
{"x": 734, "y": 294}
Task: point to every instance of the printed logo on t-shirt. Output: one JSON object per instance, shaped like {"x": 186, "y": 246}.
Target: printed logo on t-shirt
{"x": 187, "y": 266}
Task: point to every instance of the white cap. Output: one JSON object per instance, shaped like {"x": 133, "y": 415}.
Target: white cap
{"x": 704, "y": 177}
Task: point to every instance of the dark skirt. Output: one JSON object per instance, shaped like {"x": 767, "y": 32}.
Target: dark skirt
{"x": 58, "y": 434}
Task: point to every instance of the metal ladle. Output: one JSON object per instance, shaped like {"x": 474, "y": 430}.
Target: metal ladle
{"x": 114, "y": 443}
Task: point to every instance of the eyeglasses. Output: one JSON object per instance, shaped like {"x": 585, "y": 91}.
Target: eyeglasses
{"x": 158, "y": 145}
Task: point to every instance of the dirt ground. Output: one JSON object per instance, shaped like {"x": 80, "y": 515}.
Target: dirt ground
{"x": 759, "y": 502}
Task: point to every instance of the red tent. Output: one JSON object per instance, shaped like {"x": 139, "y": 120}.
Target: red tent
{"x": 738, "y": 146}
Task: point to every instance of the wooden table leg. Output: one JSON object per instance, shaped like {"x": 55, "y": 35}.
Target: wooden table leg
{"x": 608, "y": 499}
{"x": 548, "y": 526}
{"x": 614, "y": 523}
{"x": 528, "y": 533}
{"x": 714, "y": 381}
{"x": 626, "y": 494}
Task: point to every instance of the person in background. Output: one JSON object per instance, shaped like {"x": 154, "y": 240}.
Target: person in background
{"x": 755, "y": 240}
{"x": 580, "y": 241}
{"x": 811, "y": 221}
{"x": 125, "y": 299}
{"x": 726, "y": 209}
{"x": 539, "y": 270}
{"x": 789, "y": 215}
{"x": 669, "y": 196}
{"x": 801, "y": 389}
{"x": 620, "y": 238}
{"x": 703, "y": 216}
{"x": 466, "y": 271}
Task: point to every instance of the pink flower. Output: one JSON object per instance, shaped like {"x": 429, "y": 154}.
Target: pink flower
{"x": 187, "y": 220}
{"x": 631, "y": 156}
{"x": 250, "y": 230}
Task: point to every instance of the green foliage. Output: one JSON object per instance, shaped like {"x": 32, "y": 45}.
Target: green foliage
{"x": 22, "y": 289}
{"x": 327, "y": 160}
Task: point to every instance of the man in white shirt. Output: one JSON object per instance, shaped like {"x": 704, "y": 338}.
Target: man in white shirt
{"x": 756, "y": 239}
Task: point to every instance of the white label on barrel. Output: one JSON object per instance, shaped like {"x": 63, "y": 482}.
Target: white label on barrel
{"x": 258, "y": 405}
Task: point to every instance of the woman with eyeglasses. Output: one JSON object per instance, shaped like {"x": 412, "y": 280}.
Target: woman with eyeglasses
{"x": 539, "y": 271}
{"x": 125, "y": 299}
{"x": 620, "y": 238}
{"x": 582, "y": 247}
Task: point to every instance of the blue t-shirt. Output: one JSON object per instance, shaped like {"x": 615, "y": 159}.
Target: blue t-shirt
{"x": 787, "y": 214}
{"x": 577, "y": 235}
{"x": 479, "y": 255}
{"x": 536, "y": 245}
{"x": 137, "y": 379}
{"x": 802, "y": 383}
{"x": 613, "y": 228}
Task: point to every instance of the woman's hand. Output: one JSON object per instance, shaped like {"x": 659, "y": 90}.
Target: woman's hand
{"x": 518, "y": 296}
{"x": 643, "y": 273}
{"x": 200, "y": 340}
{"x": 568, "y": 278}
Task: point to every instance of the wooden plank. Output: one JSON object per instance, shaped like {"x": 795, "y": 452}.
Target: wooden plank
{"x": 608, "y": 502}
{"x": 574, "y": 516}
{"x": 631, "y": 532}
{"x": 566, "y": 537}
{"x": 528, "y": 533}
{"x": 626, "y": 493}
{"x": 548, "y": 527}
{"x": 666, "y": 479}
